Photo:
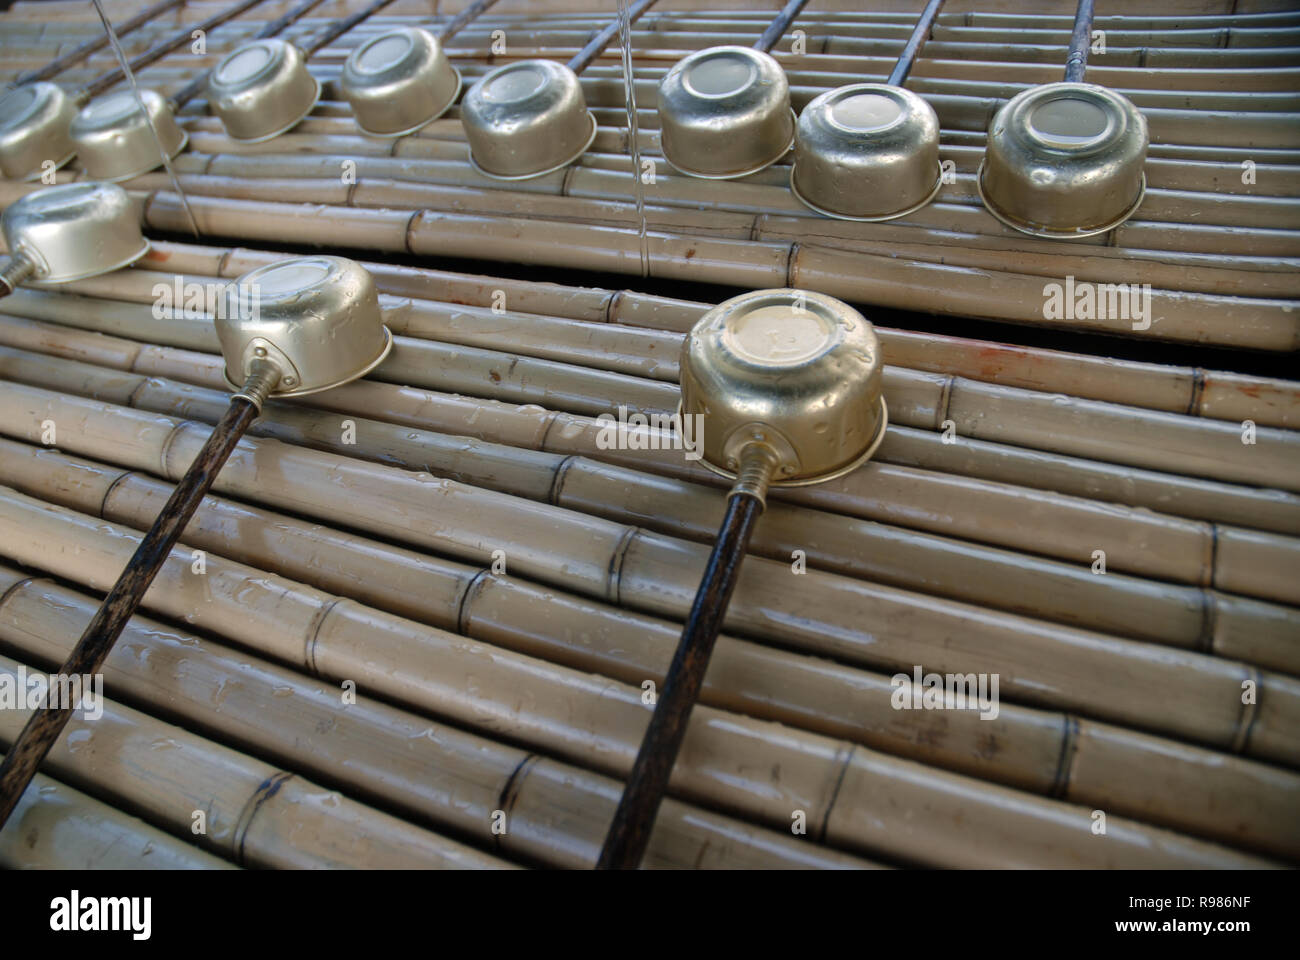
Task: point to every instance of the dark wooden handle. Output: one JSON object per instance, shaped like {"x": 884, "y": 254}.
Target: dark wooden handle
{"x": 197, "y": 85}
{"x": 81, "y": 52}
{"x": 1076, "y": 65}
{"x": 629, "y": 834}
{"x": 45, "y": 725}
{"x": 340, "y": 27}
{"x": 581, "y": 60}
{"x": 466, "y": 17}
{"x": 106, "y": 80}
{"x": 920, "y": 33}
{"x": 777, "y": 28}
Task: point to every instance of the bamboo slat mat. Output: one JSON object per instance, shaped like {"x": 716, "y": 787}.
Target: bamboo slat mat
{"x": 426, "y": 606}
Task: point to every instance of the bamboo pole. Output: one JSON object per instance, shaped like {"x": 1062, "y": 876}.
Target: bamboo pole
{"x": 1248, "y": 562}
{"x": 293, "y": 823}
{"x": 1223, "y": 395}
{"x": 764, "y": 682}
{"x": 1261, "y": 324}
{"x": 1039, "y": 663}
{"x": 262, "y": 172}
{"x": 450, "y": 780}
{"x": 623, "y": 361}
{"x": 59, "y": 828}
{"x": 1138, "y": 541}
{"x": 856, "y": 494}
{"x": 602, "y": 725}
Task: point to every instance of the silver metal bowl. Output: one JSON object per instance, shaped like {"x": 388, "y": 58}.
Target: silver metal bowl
{"x": 869, "y": 151}
{"x": 526, "y": 119}
{"x": 262, "y": 89}
{"x": 316, "y": 318}
{"x": 35, "y": 122}
{"x": 399, "y": 81}
{"x": 74, "y": 230}
{"x": 797, "y": 371}
{"x": 725, "y": 112}
{"x": 1065, "y": 160}
{"x": 113, "y": 138}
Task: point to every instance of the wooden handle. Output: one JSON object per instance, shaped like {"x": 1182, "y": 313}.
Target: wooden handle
{"x": 44, "y": 726}
{"x": 82, "y": 51}
{"x": 920, "y": 33}
{"x": 464, "y": 19}
{"x": 340, "y": 27}
{"x": 777, "y": 27}
{"x": 195, "y": 86}
{"x": 1076, "y": 65}
{"x": 629, "y": 834}
{"x": 597, "y": 44}
{"x": 157, "y": 52}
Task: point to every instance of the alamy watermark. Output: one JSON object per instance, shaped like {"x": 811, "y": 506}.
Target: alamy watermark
{"x": 946, "y": 691}
{"x": 199, "y": 301}
{"x": 1098, "y": 301}
{"x": 58, "y": 691}
{"x": 655, "y": 431}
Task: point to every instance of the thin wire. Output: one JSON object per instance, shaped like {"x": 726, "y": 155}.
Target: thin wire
{"x": 135, "y": 90}
{"x": 634, "y": 146}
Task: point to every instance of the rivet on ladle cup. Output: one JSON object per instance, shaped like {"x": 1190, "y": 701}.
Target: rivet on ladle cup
{"x": 529, "y": 118}
{"x": 870, "y": 151}
{"x": 724, "y": 112}
{"x": 1065, "y": 160}
{"x": 788, "y": 385}
{"x": 289, "y": 328}
{"x": 69, "y": 232}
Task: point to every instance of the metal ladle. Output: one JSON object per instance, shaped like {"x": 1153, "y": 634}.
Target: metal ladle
{"x": 1065, "y": 160}
{"x": 870, "y": 151}
{"x": 117, "y": 140}
{"x": 263, "y": 88}
{"x": 725, "y": 112}
{"x": 287, "y": 329}
{"x": 36, "y": 119}
{"x": 69, "y": 232}
{"x": 788, "y": 386}
{"x": 529, "y": 118}
{"x": 401, "y": 80}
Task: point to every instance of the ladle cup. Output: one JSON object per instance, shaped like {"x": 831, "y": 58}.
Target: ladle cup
{"x": 1065, "y": 160}
{"x": 724, "y": 112}
{"x": 870, "y": 151}
{"x": 36, "y": 119}
{"x": 529, "y": 118}
{"x": 289, "y": 328}
{"x": 68, "y": 232}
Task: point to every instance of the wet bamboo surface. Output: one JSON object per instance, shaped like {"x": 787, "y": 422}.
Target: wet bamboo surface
{"x": 450, "y": 540}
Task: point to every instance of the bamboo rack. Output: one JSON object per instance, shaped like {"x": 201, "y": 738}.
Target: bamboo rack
{"x": 451, "y": 534}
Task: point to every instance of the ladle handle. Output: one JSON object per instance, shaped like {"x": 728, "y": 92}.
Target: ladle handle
{"x": 920, "y": 33}
{"x": 581, "y": 60}
{"x": 82, "y": 51}
{"x": 340, "y": 27}
{"x": 1076, "y": 65}
{"x": 464, "y": 19}
{"x": 629, "y": 834}
{"x": 195, "y": 86}
{"x": 44, "y": 726}
{"x": 157, "y": 52}
{"x": 776, "y": 29}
